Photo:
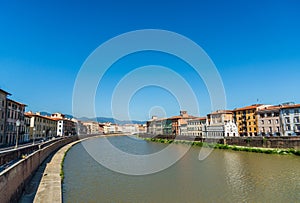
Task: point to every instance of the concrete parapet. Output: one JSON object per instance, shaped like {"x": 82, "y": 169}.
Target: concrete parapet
{"x": 14, "y": 178}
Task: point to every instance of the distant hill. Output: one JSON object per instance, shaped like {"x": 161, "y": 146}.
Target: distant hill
{"x": 111, "y": 120}
{"x": 44, "y": 113}
{"x": 99, "y": 119}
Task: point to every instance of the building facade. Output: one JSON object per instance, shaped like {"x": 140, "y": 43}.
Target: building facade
{"x": 129, "y": 128}
{"x": 195, "y": 126}
{"x": 155, "y": 126}
{"x": 290, "y": 118}
{"x": 92, "y": 127}
{"x": 220, "y": 124}
{"x": 41, "y": 127}
{"x": 65, "y": 126}
{"x": 246, "y": 119}
{"x": 269, "y": 123}
{"x": 177, "y": 121}
{"x": 3, "y": 100}
{"x": 14, "y": 111}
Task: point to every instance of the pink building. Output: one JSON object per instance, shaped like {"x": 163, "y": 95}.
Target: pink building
{"x": 269, "y": 121}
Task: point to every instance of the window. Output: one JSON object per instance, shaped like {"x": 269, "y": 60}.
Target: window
{"x": 287, "y": 120}
{"x": 263, "y": 129}
{"x": 269, "y": 121}
{"x": 277, "y": 129}
{"x": 286, "y": 112}
{"x": 262, "y": 122}
{"x": 296, "y": 119}
{"x": 276, "y": 121}
{"x": 270, "y": 129}
{"x": 296, "y": 111}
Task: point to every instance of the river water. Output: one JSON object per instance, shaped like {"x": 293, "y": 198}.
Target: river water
{"x": 224, "y": 176}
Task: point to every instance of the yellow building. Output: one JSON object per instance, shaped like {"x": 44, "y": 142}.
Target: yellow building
{"x": 41, "y": 127}
{"x": 246, "y": 120}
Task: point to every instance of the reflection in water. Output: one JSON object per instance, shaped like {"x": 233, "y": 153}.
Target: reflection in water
{"x": 236, "y": 175}
{"x": 225, "y": 176}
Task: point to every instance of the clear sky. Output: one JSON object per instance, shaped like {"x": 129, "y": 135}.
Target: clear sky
{"x": 255, "y": 46}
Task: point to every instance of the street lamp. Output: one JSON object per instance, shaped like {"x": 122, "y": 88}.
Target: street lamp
{"x": 44, "y": 134}
{"x": 18, "y": 125}
{"x": 33, "y": 135}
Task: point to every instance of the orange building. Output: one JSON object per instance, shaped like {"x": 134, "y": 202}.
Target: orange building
{"x": 246, "y": 120}
{"x": 177, "y": 121}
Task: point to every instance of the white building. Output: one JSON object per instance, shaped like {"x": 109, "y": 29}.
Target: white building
{"x": 183, "y": 129}
{"x": 155, "y": 126}
{"x": 220, "y": 124}
{"x": 92, "y": 127}
{"x": 111, "y": 128}
{"x": 290, "y": 119}
{"x": 195, "y": 126}
{"x": 65, "y": 126}
{"x": 130, "y": 128}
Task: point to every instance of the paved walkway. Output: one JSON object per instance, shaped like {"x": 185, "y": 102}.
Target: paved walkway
{"x": 45, "y": 186}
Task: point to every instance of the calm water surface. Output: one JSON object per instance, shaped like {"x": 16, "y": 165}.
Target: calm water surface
{"x": 225, "y": 176}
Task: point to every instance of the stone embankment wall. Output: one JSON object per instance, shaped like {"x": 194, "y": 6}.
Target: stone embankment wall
{"x": 7, "y": 156}
{"x": 292, "y": 142}
{"x": 14, "y": 178}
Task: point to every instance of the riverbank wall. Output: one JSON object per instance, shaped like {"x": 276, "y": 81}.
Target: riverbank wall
{"x": 14, "y": 179}
{"x": 291, "y": 142}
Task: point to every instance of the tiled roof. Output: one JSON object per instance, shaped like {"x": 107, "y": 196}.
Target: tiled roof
{"x": 254, "y": 106}
{"x": 269, "y": 108}
{"x": 221, "y": 112}
{"x": 290, "y": 106}
{"x": 40, "y": 116}
{"x": 181, "y": 117}
{"x": 16, "y": 102}
{"x": 1, "y": 90}
{"x": 198, "y": 119}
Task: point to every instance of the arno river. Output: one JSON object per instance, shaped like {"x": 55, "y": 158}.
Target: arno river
{"x": 225, "y": 176}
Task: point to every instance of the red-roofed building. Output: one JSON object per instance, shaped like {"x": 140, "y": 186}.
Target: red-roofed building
{"x": 3, "y": 100}
{"x": 41, "y": 127}
{"x": 195, "y": 126}
{"x": 65, "y": 126}
{"x": 290, "y": 119}
{"x": 268, "y": 121}
{"x": 14, "y": 111}
{"x": 220, "y": 124}
{"x": 246, "y": 119}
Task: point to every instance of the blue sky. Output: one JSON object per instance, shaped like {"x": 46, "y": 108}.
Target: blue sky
{"x": 255, "y": 46}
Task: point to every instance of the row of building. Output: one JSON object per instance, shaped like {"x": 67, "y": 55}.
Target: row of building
{"x": 93, "y": 127}
{"x": 254, "y": 120}
{"x": 21, "y": 126}
{"x": 16, "y": 124}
